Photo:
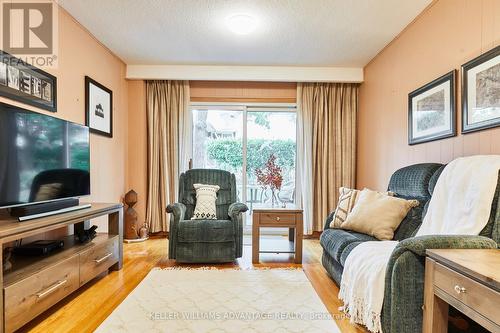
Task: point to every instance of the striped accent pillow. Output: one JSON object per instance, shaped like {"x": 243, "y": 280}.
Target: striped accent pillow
{"x": 347, "y": 199}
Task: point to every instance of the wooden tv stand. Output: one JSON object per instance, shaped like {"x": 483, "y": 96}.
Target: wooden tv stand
{"x": 34, "y": 284}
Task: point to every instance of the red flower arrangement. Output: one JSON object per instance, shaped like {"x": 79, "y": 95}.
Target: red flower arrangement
{"x": 271, "y": 176}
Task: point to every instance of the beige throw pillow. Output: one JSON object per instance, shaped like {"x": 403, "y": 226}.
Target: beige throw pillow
{"x": 205, "y": 202}
{"x": 377, "y": 214}
{"x": 347, "y": 200}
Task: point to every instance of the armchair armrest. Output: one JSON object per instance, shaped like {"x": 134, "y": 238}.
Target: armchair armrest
{"x": 418, "y": 245}
{"x": 236, "y": 208}
{"x": 235, "y": 213}
{"x": 178, "y": 210}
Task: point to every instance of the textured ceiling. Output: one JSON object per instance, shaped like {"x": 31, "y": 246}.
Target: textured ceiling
{"x": 289, "y": 32}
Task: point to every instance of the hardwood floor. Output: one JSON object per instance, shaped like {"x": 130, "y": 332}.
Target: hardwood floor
{"x": 84, "y": 310}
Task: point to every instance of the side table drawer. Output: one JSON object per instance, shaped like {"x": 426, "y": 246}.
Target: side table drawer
{"x": 469, "y": 292}
{"x": 277, "y": 218}
{"x": 27, "y": 298}
{"x": 98, "y": 259}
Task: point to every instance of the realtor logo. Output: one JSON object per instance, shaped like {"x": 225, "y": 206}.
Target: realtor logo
{"x": 29, "y": 30}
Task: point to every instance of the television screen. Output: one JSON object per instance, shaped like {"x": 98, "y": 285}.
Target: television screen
{"x": 42, "y": 158}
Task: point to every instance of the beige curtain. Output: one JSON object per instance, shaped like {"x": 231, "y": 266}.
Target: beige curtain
{"x": 167, "y": 108}
{"x": 332, "y": 108}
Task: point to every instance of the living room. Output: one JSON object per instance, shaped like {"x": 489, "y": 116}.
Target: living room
{"x": 253, "y": 166}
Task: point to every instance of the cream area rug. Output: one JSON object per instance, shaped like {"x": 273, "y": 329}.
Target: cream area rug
{"x": 220, "y": 301}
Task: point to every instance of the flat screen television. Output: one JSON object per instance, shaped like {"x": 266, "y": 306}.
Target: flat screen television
{"x": 42, "y": 158}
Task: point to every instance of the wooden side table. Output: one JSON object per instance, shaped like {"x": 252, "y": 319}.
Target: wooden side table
{"x": 468, "y": 280}
{"x": 278, "y": 218}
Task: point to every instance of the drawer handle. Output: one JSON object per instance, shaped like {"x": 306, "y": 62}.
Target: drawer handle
{"x": 460, "y": 290}
{"x": 98, "y": 261}
{"x": 278, "y": 218}
{"x": 51, "y": 289}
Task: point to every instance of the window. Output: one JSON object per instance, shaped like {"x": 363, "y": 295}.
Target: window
{"x": 241, "y": 139}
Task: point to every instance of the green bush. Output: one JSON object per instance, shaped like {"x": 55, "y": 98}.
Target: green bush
{"x": 228, "y": 153}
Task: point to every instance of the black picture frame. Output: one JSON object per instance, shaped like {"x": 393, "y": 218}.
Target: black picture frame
{"x": 39, "y": 88}
{"x": 89, "y": 113}
{"x": 466, "y": 105}
{"x": 413, "y": 139}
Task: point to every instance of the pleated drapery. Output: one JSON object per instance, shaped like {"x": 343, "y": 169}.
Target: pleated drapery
{"x": 329, "y": 112}
{"x": 167, "y": 110}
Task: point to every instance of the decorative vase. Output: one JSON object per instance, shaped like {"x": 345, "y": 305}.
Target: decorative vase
{"x": 274, "y": 199}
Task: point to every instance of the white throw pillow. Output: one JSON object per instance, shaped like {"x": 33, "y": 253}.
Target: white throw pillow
{"x": 205, "y": 202}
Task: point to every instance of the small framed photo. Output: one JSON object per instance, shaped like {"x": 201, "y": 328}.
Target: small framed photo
{"x": 98, "y": 108}
{"x": 3, "y": 74}
{"x": 431, "y": 110}
{"x": 24, "y": 83}
{"x": 13, "y": 77}
{"x": 36, "y": 87}
{"x": 481, "y": 92}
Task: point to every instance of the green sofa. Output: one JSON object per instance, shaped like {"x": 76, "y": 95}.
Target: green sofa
{"x": 206, "y": 241}
{"x": 404, "y": 285}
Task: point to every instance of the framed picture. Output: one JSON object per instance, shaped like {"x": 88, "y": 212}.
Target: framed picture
{"x": 98, "y": 108}
{"x": 481, "y": 92}
{"x": 22, "y": 82}
{"x": 431, "y": 111}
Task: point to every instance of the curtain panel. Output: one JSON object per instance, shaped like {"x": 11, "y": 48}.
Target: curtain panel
{"x": 167, "y": 114}
{"x": 329, "y": 112}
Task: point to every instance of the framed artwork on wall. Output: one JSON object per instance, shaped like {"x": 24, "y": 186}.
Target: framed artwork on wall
{"x": 27, "y": 84}
{"x": 431, "y": 110}
{"x": 98, "y": 108}
{"x": 481, "y": 92}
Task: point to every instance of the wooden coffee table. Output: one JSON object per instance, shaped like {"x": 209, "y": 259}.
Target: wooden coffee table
{"x": 278, "y": 218}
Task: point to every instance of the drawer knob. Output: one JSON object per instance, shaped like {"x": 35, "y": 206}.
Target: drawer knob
{"x": 98, "y": 261}
{"x": 460, "y": 290}
{"x": 51, "y": 289}
{"x": 278, "y": 218}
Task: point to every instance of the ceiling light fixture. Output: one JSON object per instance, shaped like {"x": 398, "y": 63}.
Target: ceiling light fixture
{"x": 241, "y": 24}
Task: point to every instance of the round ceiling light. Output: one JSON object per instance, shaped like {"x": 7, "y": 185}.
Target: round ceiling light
{"x": 241, "y": 24}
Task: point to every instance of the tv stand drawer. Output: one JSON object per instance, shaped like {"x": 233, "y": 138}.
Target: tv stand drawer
{"x": 28, "y": 298}
{"x": 98, "y": 259}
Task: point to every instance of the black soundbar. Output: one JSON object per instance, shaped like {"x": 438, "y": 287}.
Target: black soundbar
{"x": 43, "y": 207}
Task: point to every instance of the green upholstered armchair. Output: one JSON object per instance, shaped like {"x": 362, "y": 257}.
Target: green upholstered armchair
{"x": 206, "y": 241}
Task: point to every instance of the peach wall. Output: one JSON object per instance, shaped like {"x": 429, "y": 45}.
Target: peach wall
{"x": 81, "y": 54}
{"x": 445, "y": 36}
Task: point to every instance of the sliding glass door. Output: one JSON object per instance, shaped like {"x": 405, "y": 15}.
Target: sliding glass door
{"x": 242, "y": 139}
{"x": 218, "y": 141}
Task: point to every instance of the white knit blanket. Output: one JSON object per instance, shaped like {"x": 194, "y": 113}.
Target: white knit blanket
{"x": 460, "y": 205}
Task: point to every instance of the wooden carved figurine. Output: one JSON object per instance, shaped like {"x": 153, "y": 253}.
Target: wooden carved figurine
{"x": 131, "y": 225}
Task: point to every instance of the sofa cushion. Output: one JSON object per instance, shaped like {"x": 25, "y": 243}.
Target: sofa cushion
{"x": 410, "y": 224}
{"x": 334, "y": 241}
{"x": 210, "y": 231}
{"x": 347, "y": 251}
{"x": 434, "y": 179}
{"x": 412, "y": 182}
